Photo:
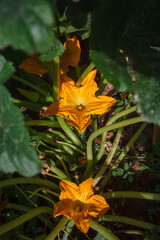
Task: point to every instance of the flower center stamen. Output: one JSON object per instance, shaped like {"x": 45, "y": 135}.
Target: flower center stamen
{"x": 80, "y": 107}
{"x": 78, "y": 206}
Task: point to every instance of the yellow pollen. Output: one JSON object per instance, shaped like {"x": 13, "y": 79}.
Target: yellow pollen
{"x": 80, "y": 107}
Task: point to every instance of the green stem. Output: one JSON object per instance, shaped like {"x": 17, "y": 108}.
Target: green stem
{"x": 22, "y": 237}
{"x": 78, "y": 71}
{"x": 18, "y": 207}
{"x": 88, "y": 171}
{"x": 109, "y": 158}
{"x": 28, "y": 199}
{"x": 130, "y": 194}
{"x": 131, "y": 231}
{"x": 56, "y": 79}
{"x": 48, "y": 123}
{"x": 123, "y": 154}
{"x": 84, "y": 74}
{"x": 57, "y": 170}
{"x": 130, "y": 221}
{"x": 32, "y": 106}
{"x": 104, "y": 231}
{"x": 25, "y": 217}
{"x": 23, "y": 208}
{"x": 110, "y": 121}
{"x": 57, "y": 229}
{"x": 44, "y": 197}
{"x": 69, "y": 132}
{"x": 38, "y": 181}
{"x": 53, "y": 175}
{"x": 44, "y": 190}
{"x": 102, "y": 85}
{"x": 73, "y": 147}
{"x": 61, "y": 135}
{"x": 31, "y": 85}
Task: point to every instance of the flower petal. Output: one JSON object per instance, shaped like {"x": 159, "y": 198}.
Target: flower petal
{"x": 90, "y": 84}
{"x": 69, "y": 190}
{"x": 99, "y": 105}
{"x": 33, "y": 65}
{"x": 96, "y": 206}
{"x": 57, "y": 108}
{"x": 82, "y": 221}
{"x": 71, "y": 55}
{"x": 63, "y": 207}
{"x": 86, "y": 190}
{"x": 79, "y": 120}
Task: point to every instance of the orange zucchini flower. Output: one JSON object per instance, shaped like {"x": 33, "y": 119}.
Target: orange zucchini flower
{"x": 80, "y": 204}
{"x": 79, "y": 102}
{"x": 70, "y": 57}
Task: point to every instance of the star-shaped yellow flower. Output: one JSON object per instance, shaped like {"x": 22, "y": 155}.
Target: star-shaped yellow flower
{"x": 70, "y": 57}
{"x": 78, "y": 103}
{"x": 80, "y": 204}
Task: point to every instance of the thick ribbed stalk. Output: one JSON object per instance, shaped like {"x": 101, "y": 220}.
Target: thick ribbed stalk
{"x": 61, "y": 174}
{"x": 57, "y": 229}
{"x": 38, "y": 181}
{"x": 25, "y": 217}
{"x": 69, "y": 132}
{"x": 58, "y": 133}
{"x": 72, "y": 146}
{"x": 47, "y": 123}
{"x": 110, "y": 121}
{"x": 130, "y": 221}
{"x": 56, "y": 79}
{"x": 109, "y": 158}
{"x": 88, "y": 171}
{"x": 131, "y": 194}
{"x": 104, "y": 231}
{"x": 84, "y": 74}
{"x": 123, "y": 154}
{"x": 23, "y": 208}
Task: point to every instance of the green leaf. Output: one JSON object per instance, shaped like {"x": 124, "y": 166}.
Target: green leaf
{"x": 55, "y": 49}
{"x": 100, "y": 237}
{"x": 105, "y": 43}
{"x": 26, "y": 25}
{"x": 15, "y": 152}
{"x": 126, "y": 166}
{"x": 147, "y": 97}
{"x": 31, "y": 95}
{"x": 6, "y": 69}
{"x": 130, "y": 179}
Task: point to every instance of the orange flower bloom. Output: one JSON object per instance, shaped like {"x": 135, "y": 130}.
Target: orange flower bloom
{"x": 79, "y": 102}
{"x": 70, "y": 57}
{"x": 80, "y": 204}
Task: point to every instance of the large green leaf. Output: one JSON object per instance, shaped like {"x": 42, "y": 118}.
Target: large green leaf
{"x": 106, "y": 33}
{"x": 15, "y": 152}
{"x": 122, "y": 31}
{"x": 55, "y": 49}
{"x": 26, "y": 25}
{"x": 6, "y": 69}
